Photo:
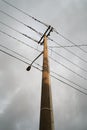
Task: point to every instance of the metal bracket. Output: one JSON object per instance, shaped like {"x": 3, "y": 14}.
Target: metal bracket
{"x": 29, "y": 67}
{"x": 44, "y": 34}
{"x": 47, "y": 33}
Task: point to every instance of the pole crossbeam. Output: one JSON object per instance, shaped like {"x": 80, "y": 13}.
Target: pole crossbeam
{"x": 46, "y": 33}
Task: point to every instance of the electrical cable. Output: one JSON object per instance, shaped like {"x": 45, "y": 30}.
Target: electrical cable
{"x": 41, "y": 66}
{"x": 43, "y": 24}
{"x": 41, "y": 70}
{"x": 19, "y": 32}
{"x": 18, "y": 58}
{"x": 69, "y": 51}
{"x": 38, "y": 21}
{"x": 21, "y": 22}
{"x": 69, "y": 69}
{"x": 73, "y": 43}
{"x": 68, "y": 60}
{"x": 25, "y": 13}
{"x": 50, "y": 57}
{"x": 52, "y": 50}
{"x": 67, "y": 46}
{"x": 68, "y": 80}
{"x": 24, "y": 43}
{"x": 48, "y": 37}
{"x": 68, "y": 84}
{"x": 14, "y": 52}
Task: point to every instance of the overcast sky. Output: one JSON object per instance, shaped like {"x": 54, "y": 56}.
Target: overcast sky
{"x": 20, "y": 91}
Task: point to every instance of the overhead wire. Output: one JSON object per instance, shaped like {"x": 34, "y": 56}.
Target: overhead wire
{"x": 42, "y": 23}
{"x": 21, "y": 22}
{"x": 14, "y": 52}
{"x": 42, "y": 34}
{"x": 68, "y": 80}
{"x": 17, "y": 58}
{"x": 67, "y": 46}
{"x": 50, "y": 57}
{"x": 25, "y": 13}
{"x": 68, "y": 60}
{"x": 68, "y": 50}
{"x": 69, "y": 69}
{"x": 41, "y": 70}
{"x": 40, "y": 65}
{"x": 68, "y": 84}
{"x": 24, "y": 43}
{"x": 19, "y": 32}
{"x": 73, "y": 43}
{"x": 52, "y": 50}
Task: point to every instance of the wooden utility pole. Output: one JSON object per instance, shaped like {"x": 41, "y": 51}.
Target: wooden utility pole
{"x": 46, "y": 110}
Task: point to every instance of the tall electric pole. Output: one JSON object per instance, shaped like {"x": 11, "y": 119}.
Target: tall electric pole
{"x": 46, "y": 110}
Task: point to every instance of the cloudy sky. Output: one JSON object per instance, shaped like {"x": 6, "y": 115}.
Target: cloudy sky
{"x": 20, "y": 91}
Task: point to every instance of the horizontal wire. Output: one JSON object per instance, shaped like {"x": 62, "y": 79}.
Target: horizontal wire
{"x": 18, "y": 58}
{"x": 29, "y": 16}
{"x": 24, "y": 43}
{"x": 42, "y": 34}
{"x": 68, "y": 84}
{"x": 73, "y": 43}
{"x": 65, "y": 78}
{"x": 50, "y": 49}
{"x": 68, "y": 50}
{"x": 41, "y": 66}
{"x": 14, "y": 52}
{"x": 68, "y": 60}
{"x": 69, "y": 40}
{"x": 68, "y": 80}
{"x": 67, "y": 46}
{"x": 19, "y": 32}
{"x": 42, "y": 23}
{"x": 21, "y": 22}
{"x": 25, "y": 13}
{"x": 69, "y": 69}
{"x": 50, "y": 57}
{"x": 41, "y": 70}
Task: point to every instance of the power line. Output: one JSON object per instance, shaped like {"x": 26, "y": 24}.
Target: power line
{"x": 33, "y": 29}
{"x": 24, "y": 43}
{"x": 14, "y": 52}
{"x": 68, "y": 60}
{"x": 22, "y": 56}
{"x": 69, "y": 69}
{"x": 41, "y": 66}
{"x": 48, "y": 38}
{"x": 50, "y": 57}
{"x": 37, "y": 42}
{"x": 21, "y": 22}
{"x": 43, "y": 24}
{"x": 41, "y": 70}
{"x": 68, "y": 50}
{"x": 69, "y": 40}
{"x": 68, "y": 80}
{"x": 56, "y": 53}
{"x": 19, "y": 32}
{"x": 68, "y": 84}
{"x": 67, "y": 46}
{"x": 17, "y": 58}
{"x": 25, "y": 13}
